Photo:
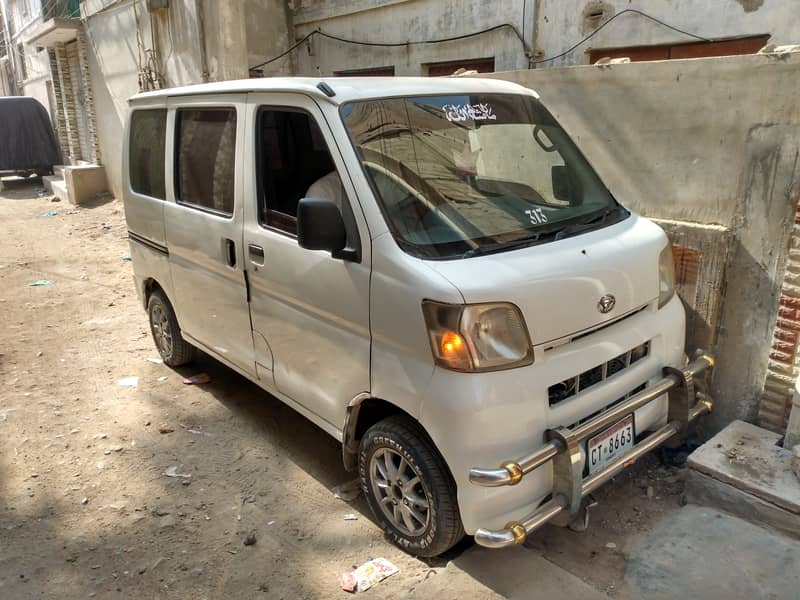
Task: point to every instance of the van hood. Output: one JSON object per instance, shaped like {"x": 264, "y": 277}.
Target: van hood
{"x": 558, "y": 285}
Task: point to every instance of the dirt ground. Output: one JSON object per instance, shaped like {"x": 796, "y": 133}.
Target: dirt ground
{"x": 86, "y": 509}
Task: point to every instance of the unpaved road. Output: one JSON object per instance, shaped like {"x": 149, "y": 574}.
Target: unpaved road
{"x": 85, "y": 507}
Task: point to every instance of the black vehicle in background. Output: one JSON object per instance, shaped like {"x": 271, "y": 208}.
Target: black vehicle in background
{"x": 28, "y": 144}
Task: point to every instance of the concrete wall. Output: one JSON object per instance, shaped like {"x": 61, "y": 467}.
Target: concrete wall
{"x": 175, "y": 36}
{"x": 400, "y": 21}
{"x": 548, "y": 26}
{"x": 712, "y": 140}
{"x": 561, "y": 23}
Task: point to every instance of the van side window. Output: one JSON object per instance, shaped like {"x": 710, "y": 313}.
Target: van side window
{"x": 205, "y": 158}
{"x": 293, "y": 163}
{"x": 148, "y": 134}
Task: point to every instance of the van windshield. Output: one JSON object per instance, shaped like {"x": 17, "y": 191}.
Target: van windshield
{"x": 458, "y": 176}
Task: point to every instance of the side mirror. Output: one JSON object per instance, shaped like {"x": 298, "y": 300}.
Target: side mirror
{"x": 565, "y": 186}
{"x": 320, "y": 226}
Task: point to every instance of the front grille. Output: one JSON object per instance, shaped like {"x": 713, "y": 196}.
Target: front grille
{"x": 568, "y": 388}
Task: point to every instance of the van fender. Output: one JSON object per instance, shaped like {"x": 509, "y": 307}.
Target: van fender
{"x": 349, "y": 441}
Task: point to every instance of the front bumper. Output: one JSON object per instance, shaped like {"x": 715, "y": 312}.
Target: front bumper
{"x": 564, "y": 449}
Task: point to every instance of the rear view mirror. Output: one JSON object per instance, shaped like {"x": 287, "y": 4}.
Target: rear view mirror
{"x": 566, "y": 186}
{"x": 320, "y": 226}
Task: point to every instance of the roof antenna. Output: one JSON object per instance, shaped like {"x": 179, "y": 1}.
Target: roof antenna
{"x": 324, "y": 87}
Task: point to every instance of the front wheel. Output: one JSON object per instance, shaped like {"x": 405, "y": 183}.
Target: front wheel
{"x": 409, "y": 488}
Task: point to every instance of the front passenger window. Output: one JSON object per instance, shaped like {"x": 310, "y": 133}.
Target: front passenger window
{"x": 293, "y": 163}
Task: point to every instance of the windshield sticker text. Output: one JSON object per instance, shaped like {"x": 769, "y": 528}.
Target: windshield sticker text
{"x": 469, "y": 112}
{"x": 536, "y": 216}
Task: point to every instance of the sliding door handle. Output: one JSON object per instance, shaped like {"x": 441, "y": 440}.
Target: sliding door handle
{"x": 256, "y": 254}
{"x": 230, "y": 253}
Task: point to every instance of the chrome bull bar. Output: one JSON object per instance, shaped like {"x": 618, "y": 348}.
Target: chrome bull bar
{"x": 564, "y": 449}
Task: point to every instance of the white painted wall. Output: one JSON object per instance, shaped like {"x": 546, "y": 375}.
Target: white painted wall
{"x": 229, "y": 30}
{"x": 404, "y": 20}
{"x": 560, "y": 23}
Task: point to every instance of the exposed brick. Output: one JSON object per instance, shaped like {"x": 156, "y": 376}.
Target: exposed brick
{"x": 782, "y": 357}
{"x": 784, "y": 368}
{"x": 786, "y": 347}
{"x": 786, "y": 336}
{"x": 791, "y": 278}
{"x": 789, "y": 324}
{"x": 790, "y": 301}
{"x": 789, "y": 313}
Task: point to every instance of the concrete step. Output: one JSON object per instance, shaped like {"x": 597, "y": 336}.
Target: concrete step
{"x": 59, "y": 188}
{"x": 58, "y": 170}
{"x": 47, "y": 182}
{"x": 742, "y": 470}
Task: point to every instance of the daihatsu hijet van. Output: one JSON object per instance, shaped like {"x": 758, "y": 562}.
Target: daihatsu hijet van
{"x": 430, "y": 271}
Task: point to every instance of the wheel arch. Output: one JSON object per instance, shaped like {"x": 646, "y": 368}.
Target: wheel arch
{"x": 362, "y": 413}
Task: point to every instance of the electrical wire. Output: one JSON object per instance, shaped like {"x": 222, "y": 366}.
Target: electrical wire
{"x": 619, "y": 14}
{"x": 393, "y": 44}
{"x": 481, "y": 32}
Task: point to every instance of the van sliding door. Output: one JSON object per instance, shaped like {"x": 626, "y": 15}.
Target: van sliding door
{"x": 204, "y": 227}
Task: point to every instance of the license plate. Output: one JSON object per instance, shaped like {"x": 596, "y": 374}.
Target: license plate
{"x": 610, "y": 445}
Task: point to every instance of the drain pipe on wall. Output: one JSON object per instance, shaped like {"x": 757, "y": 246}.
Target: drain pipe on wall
{"x": 201, "y": 33}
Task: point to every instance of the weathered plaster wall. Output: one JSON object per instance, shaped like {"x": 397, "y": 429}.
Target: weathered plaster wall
{"x": 401, "y": 21}
{"x": 707, "y": 140}
{"x": 561, "y": 23}
{"x": 117, "y": 54}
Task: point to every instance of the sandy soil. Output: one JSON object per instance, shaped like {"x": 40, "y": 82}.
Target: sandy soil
{"x": 85, "y": 507}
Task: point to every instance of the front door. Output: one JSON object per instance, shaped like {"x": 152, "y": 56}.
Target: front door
{"x": 203, "y": 221}
{"x": 310, "y": 312}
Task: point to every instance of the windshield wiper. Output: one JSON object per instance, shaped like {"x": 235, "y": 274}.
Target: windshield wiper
{"x": 554, "y": 233}
{"x": 589, "y": 223}
{"x": 528, "y": 240}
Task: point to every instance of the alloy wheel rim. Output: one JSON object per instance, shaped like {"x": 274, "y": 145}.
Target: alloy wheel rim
{"x": 397, "y": 486}
{"x": 162, "y": 332}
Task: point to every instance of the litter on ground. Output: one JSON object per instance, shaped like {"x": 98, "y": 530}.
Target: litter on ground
{"x": 197, "y": 379}
{"x": 126, "y": 256}
{"x": 128, "y": 381}
{"x": 350, "y": 517}
{"x": 155, "y": 361}
{"x": 40, "y": 282}
{"x": 367, "y": 575}
{"x": 173, "y": 471}
{"x": 49, "y": 213}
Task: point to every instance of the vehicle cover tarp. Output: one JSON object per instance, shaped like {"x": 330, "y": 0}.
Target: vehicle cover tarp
{"x": 27, "y": 141}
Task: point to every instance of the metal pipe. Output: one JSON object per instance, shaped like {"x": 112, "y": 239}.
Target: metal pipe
{"x": 623, "y": 408}
{"x": 511, "y": 473}
{"x": 201, "y": 32}
{"x": 505, "y": 476}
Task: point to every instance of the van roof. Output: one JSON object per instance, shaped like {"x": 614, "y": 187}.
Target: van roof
{"x": 345, "y": 88}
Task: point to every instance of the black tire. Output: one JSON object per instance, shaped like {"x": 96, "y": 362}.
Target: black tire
{"x": 400, "y": 437}
{"x": 174, "y": 350}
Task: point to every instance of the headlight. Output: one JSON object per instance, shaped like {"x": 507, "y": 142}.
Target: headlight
{"x": 477, "y": 337}
{"x": 666, "y": 276}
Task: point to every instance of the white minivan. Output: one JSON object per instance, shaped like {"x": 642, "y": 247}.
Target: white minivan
{"x": 430, "y": 271}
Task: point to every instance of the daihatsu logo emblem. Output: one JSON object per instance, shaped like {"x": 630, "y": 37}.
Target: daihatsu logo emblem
{"x": 606, "y": 303}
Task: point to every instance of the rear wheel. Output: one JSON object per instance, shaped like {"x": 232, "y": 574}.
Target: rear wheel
{"x": 174, "y": 350}
{"x": 409, "y": 488}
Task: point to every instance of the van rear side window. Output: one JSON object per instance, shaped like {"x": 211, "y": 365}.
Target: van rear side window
{"x": 206, "y": 155}
{"x": 148, "y": 132}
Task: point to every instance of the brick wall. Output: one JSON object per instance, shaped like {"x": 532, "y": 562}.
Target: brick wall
{"x": 783, "y": 367}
